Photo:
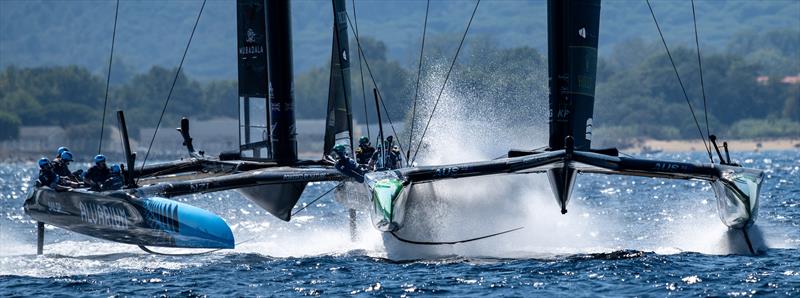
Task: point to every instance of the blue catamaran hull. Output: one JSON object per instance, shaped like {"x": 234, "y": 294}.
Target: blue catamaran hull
{"x": 115, "y": 216}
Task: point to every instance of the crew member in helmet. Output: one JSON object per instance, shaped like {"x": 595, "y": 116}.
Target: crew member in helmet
{"x": 347, "y": 165}
{"x": 61, "y": 166}
{"x": 98, "y": 173}
{"x": 115, "y": 180}
{"x": 47, "y": 177}
{"x": 394, "y": 159}
{"x": 364, "y": 151}
{"x": 61, "y": 150}
{"x": 377, "y": 161}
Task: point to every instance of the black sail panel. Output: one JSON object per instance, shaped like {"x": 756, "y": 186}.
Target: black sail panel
{"x": 573, "y": 29}
{"x": 251, "y": 34}
{"x": 281, "y": 82}
{"x": 252, "y": 48}
{"x": 339, "y": 124}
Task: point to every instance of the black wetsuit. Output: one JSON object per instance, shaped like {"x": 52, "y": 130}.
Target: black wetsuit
{"x": 61, "y": 169}
{"x": 364, "y": 153}
{"x": 96, "y": 176}
{"x": 114, "y": 182}
{"x": 394, "y": 160}
{"x": 47, "y": 178}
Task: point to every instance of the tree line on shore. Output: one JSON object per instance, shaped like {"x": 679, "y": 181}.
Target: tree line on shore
{"x": 752, "y": 89}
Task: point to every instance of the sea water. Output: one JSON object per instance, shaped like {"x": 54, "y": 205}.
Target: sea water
{"x": 622, "y": 236}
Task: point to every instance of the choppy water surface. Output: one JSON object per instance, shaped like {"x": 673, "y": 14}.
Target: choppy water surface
{"x": 622, "y": 236}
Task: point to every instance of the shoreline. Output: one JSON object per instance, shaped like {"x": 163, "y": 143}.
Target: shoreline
{"x": 744, "y": 145}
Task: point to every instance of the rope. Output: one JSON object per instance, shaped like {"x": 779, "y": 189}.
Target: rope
{"x": 369, "y": 70}
{"x": 700, "y": 65}
{"x": 174, "y": 80}
{"x": 317, "y": 199}
{"x": 452, "y": 64}
{"x": 416, "y": 88}
{"x": 108, "y": 78}
{"x": 675, "y": 68}
{"x": 361, "y": 71}
{"x": 452, "y": 242}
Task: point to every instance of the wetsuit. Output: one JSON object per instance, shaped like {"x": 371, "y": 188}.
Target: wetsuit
{"x": 96, "y": 176}
{"x": 394, "y": 160}
{"x": 364, "y": 153}
{"x": 47, "y": 178}
{"x": 113, "y": 182}
{"x": 61, "y": 169}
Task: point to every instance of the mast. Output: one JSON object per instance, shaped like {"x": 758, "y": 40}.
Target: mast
{"x": 573, "y": 27}
{"x": 254, "y": 137}
{"x": 281, "y": 82}
{"x": 339, "y": 124}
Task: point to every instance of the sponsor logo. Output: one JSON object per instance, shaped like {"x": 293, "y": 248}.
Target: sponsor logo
{"x": 251, "y": 36}
{"x": 305, "y": 176}
{"x": 249, "y": 50}
{"x": 582, "y": 32}
{"x": 96, "y": 214}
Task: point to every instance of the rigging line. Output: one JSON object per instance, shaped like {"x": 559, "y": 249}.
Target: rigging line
{"x": 369, "y": 71}
{"x": 174, "y": 80}
{"x": 361, "y": 71}
{"x": 108, "y": 78}
{"x": 452, "y": 64}
{"x": 453, "y": 242}
{"x": 685, "y": 95}
{"x": 416, "y": 88}
{"x": 317, "y": 199}
{"x": 700, "y": 65}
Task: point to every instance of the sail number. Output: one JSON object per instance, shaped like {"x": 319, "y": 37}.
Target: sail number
{"x": 667, "y": 166}
{"x": 446, "y": 172}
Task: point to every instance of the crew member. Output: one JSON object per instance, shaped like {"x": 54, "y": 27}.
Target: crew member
{"x": 61, "y": 166}
{"x": 377, "y": 161}
{"x": 394, "y": 159}
{"x": 47, "y": 177}
{"x": 347, "y": 165}
{"x": 115, "y": 180}
{"x": 61, "y": 150}
{"x": 364, "y": 151}
{"x": 98, "y": 173}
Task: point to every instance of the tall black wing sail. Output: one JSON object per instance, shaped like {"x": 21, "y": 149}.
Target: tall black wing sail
{"x": 254, "y": 137}
{"x": 339, "y": 124}
{"x": 573, "y": 29}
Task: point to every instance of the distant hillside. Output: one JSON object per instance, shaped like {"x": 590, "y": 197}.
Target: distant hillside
{"x": 43, "y": 33}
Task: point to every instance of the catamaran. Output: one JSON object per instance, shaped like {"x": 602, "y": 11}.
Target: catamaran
{"x": 267, "y": 171}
